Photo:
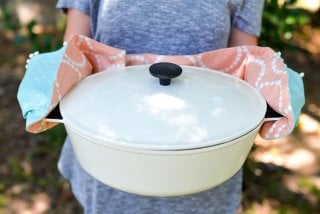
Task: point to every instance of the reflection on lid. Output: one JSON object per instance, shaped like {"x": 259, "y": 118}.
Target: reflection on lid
{"x": 216, "y": 112}
{"x": 105, "y": 131}
{"x": 160, "y": 101}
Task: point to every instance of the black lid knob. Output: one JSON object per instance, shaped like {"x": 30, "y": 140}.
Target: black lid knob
{"x": 165, "y": 71}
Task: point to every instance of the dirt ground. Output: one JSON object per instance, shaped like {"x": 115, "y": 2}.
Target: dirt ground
{"x": 281, "y": 176}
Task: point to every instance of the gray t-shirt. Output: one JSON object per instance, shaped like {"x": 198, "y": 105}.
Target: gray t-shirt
{"x": 168, "y": 27}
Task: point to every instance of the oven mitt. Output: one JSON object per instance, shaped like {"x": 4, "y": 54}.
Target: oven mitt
{"x": 36, "y": 88}
{"x": 50, "y": 76}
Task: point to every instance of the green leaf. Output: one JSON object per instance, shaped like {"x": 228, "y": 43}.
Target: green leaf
{"x": 290, "y": 20}
{"x": 30, "y": 25}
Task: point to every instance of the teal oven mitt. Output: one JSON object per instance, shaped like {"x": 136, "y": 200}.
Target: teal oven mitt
{"x": 37, "y": 84}
{"x": 296, "y": 92}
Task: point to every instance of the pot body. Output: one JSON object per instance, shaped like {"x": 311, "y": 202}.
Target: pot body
{"x": 136, "y": 135}
{"x": 161, "y": 173}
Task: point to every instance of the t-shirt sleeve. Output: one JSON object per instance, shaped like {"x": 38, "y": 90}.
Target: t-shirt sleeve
{"x": 247, "y": 17}
{"x": 80, "y": 5}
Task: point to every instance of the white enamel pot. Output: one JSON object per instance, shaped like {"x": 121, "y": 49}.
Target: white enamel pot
{"x": 134, "y": 134}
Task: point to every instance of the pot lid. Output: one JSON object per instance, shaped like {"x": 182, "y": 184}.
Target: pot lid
{"x": 128, "y": 107}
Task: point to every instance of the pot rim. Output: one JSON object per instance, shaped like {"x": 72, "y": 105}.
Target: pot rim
{"x": 134, "y": 147}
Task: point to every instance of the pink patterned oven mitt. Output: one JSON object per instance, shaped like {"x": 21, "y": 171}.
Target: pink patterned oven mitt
{"x": 264, "y": 69}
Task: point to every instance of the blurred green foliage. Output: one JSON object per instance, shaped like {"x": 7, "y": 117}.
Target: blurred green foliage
{"x": 25, "y": 36}
{"x": 280, "y": 22}
{"x": 309, "y": 186}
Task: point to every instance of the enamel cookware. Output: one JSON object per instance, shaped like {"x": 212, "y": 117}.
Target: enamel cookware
{"x": 162, "y": 130}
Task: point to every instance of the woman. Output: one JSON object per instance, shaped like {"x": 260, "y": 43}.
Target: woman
{"x": 167, "y": 27}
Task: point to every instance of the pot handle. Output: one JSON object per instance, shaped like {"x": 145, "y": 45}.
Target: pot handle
{"x": 165, "y": 71}
{"x": 271, "y": 115}
{"x": 54, "y": 116}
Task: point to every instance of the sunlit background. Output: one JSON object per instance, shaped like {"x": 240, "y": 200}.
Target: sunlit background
{"x": 281, "y": 176}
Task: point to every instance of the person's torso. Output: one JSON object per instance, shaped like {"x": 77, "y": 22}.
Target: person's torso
{"x": 169, "y": 27}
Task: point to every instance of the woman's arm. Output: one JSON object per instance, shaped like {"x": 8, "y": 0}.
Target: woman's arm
{"x": 77, "y": 23}
{"x": 238, "y": 38}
